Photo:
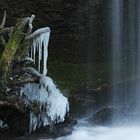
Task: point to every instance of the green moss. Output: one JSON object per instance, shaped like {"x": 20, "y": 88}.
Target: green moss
{"x": 12, "y": 49}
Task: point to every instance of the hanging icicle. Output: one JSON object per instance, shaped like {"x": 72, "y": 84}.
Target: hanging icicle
{"x": 40, "y": 45}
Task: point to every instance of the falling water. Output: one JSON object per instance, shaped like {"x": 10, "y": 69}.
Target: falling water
{"x": 116, "y": 48}
{"x": 138, "y": 61}
{"x": 125, "y": 57}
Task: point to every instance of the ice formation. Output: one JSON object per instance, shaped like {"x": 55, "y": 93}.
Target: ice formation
{"x": 53, "y": 106}
{"x": 49, "y": 102}
{"x": 40, "y": 44}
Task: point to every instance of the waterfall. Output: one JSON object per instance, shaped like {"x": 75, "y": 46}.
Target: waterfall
{"x": 125, "y": 40}
{"x": 138, "y": 60}
{"x": 50, "y": 104}
{"x": 116, "y": 48}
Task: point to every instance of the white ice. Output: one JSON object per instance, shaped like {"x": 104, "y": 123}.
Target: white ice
{"x": 40, "y": 45}
{"x": 53, "y": 105}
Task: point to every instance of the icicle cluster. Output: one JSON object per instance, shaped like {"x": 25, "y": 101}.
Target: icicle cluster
{"x": 53, "y": 106}
{"x": 40, "y": 44}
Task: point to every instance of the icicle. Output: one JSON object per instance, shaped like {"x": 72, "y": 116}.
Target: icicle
{"x": 40, "y": 52}
{"x": 34, "y": 50}
{"x": 40, "y": 43}
{"x": 31, "y": 52}
{"x": 45, "y": 44}
{"x": 33, "y": 122}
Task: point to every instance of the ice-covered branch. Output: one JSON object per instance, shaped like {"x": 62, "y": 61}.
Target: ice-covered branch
{"x": 31, "y": 71}
{"x": 39, "y": 32}
{"x": 29, "y": 20}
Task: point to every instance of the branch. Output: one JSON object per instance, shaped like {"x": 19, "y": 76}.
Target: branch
{"x": 31, "y": 71}
{"x": 3, "y": 20}
{"x": 7, "y": 29}
{"x": 5, "y": 103}
{"x": 25, "y": 81}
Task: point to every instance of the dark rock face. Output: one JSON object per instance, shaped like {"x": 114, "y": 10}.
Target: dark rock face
{"x": 17, "y": 121}
{"x": 61, "y": 129}
{"x": 110, "y": 116}
{"x": 77, "y": 26}
{"x": 83, "y": 102}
